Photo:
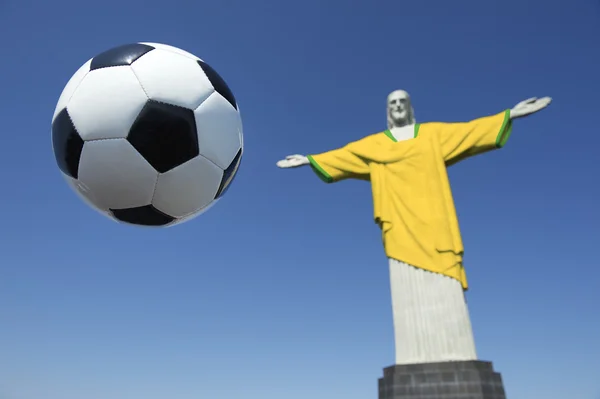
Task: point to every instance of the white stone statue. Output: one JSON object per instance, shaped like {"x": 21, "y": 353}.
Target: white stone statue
{"x": 414, "y": 208}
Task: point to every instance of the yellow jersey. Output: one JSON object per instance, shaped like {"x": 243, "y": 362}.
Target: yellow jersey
{"x": 412, "y": 199}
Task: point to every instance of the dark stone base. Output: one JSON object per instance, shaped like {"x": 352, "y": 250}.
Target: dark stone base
{"x": 448, "y": 380}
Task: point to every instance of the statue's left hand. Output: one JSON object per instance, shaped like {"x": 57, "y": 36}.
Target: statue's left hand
{"x": 529, "y": 106}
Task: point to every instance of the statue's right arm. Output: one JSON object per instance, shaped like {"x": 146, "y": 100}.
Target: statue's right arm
{"x": 330, "y": 166}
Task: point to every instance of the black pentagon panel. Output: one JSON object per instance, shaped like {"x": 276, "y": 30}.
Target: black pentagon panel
{"x": 218, "y": 83}
{"x": 67, "y": 144}
{"x": 142, "y": 216}
{"x": 229, "y": 174}
{"x": 119, "y": 56}
{"x": 165, "y": 135}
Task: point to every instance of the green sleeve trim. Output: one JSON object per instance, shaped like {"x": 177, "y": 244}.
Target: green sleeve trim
{"x": 417, "y": 126}
{"x": 319, "y": 170}
{"x": 505, "y": 130}
{"x": 390, "y": 135}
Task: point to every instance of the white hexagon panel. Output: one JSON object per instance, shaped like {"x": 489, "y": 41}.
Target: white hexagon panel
{"x": 70, "y": 88}
{"x": 86, "y": 195}
{"x": 196, "y": 183}
{"x": 172, "y": 49}
{"x": 116, "y": 175}
{"x": 106, "y": 103}
{"x": 172, "y": 78}
{"x": 219, "y": 128}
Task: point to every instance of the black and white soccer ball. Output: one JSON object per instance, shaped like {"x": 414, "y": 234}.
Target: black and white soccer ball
{"x": 148, "y": 134}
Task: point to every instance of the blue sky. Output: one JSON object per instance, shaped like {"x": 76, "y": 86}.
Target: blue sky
{"x": 281, "y": 290}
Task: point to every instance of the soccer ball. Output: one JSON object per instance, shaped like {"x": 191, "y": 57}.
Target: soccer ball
{"x": 147, "y": 134}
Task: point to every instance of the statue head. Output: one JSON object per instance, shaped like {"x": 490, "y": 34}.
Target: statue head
{"x": 399, "y": 109}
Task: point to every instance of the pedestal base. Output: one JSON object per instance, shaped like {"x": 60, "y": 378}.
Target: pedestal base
{"x": 447, "y": 380}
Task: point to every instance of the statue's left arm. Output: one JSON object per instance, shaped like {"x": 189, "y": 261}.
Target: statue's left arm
{"x": 462, "y": 140}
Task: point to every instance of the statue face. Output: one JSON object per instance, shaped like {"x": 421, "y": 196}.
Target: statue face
{"x": 398, "y": 104}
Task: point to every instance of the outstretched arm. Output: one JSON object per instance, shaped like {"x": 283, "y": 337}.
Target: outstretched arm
{"x": 331, "y": 166}
{"x": 465, "y": 139}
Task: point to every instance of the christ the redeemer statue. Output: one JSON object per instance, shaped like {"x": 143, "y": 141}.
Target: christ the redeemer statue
{"x": 406, "y": 166}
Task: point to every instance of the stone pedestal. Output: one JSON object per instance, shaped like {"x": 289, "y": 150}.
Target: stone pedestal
{"x": 447, "y": 380}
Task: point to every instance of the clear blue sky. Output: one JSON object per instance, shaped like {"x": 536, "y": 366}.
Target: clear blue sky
{"x": 281, "y": 290}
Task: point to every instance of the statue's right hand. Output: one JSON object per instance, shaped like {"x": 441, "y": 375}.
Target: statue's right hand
{"x": 293, "y": 161}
